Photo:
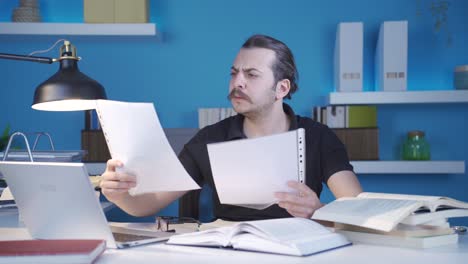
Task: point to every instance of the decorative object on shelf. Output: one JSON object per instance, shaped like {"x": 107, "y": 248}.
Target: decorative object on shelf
{"x": 349, "y": 57}
{"x": 68, "y": 89}
{"x": 28, "y": 11}
{"x": 416, "y": 146}
{"x": 391, "y": 57}
{"x": 116, "y": 11}
{"x": 460, "y": 77}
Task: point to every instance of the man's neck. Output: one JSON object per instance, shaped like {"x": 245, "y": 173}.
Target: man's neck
{"x": 268, "y": 122}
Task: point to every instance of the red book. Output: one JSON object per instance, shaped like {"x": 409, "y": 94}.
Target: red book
{"x": 51, "y": 251}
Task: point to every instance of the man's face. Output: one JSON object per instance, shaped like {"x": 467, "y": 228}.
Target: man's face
{"x": 252, "y": 85}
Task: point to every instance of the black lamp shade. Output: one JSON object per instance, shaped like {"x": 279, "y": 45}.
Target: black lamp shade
{"x": 68, "y": 90}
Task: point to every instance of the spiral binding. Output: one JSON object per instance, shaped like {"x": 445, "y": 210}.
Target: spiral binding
{"x": 301, "y": 154}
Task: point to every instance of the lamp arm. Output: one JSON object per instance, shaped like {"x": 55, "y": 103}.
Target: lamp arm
{"x": 26, "y": 58}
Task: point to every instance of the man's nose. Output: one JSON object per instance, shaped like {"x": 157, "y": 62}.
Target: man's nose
{"x": 238, "y": 80}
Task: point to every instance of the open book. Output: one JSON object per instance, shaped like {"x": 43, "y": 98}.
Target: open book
{"x": 135, "y": 137}
{"x": 289, "y": 236}
{"x": 382, "y": 211}
{"x": 248, "y": 172}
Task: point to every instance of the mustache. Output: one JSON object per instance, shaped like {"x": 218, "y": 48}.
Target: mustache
{"x": 238, "y": 93}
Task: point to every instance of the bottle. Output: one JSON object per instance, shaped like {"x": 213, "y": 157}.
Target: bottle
{"x": 416, "y": 147}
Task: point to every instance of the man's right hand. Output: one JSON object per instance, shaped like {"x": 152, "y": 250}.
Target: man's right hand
{"x": 115, "y": 185}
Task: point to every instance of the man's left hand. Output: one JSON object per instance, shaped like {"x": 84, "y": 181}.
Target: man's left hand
{"x": 300, "y": 204}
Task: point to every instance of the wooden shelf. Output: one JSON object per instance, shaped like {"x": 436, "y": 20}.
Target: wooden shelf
{"x": 369, "y": 167}
{"x": 405, "y": 97}
{"x": 409, "y": 167}
{"x": 147, "y": 29}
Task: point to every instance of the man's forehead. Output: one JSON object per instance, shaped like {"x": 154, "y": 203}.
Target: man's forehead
{"x": 254, "y": 58}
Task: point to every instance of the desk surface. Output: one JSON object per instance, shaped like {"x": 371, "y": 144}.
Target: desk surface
{"x": 357, "y": 253}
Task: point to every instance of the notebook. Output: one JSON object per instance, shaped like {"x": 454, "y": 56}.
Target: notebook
{"x": 57, "y": 201}
{"x": 248, "y": 172}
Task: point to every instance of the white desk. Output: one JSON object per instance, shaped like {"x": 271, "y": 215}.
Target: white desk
{"x": 357, "y": 253}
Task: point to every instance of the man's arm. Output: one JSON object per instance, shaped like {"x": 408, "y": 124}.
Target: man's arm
{"x": 344, "y": 184}
{"x": 115, "y": 186}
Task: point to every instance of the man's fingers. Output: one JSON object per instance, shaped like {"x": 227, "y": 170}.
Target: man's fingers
{"x": 296, "y": 210}
{"x": 288, "y": 197}
{"x": 117, "y": 184}
{"x": 303, "y": 189}
{"x": 112, "y": 164}
{"x": 118, "y": 176}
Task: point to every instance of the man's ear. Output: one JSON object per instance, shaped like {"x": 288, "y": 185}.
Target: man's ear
{"x": 282, "y": 88}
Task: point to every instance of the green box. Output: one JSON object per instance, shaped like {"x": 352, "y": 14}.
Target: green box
{"x": 361, "y": 116}
{"x": 116, "y": 11}
{"x": 98, "y": 11}
{"x": 131, "y": 11}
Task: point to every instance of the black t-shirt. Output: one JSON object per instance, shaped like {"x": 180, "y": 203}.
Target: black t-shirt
{"x": 325, "y": 156}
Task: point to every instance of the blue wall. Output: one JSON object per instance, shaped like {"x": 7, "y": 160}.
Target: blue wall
{"x": 187, "y": 67}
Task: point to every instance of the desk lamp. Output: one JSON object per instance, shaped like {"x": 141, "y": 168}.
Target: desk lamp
{"x": 68, "y": 89}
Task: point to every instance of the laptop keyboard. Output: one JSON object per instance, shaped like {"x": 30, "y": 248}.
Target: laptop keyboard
{"x": 121, "y": 237}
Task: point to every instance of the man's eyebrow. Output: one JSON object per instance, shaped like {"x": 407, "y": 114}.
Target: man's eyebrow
{"x": 251, "y": 69}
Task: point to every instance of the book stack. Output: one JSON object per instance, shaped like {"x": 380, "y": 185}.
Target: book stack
{"x": 395, "y": 220}
{"x": 209, "y": 116}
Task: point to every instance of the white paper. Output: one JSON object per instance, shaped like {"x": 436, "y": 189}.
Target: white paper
{"x": 248, "y": 172}
{"x": 135, "y": 137}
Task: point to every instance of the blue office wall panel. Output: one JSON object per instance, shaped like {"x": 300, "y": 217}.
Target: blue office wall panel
{"x": 187, "y": 66}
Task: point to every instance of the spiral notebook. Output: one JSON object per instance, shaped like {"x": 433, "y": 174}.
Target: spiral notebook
{"x": 134, "y": 136}
{"x": 248, "y": 172}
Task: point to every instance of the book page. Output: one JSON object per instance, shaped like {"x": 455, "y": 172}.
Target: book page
{"x": 431, "y": 202}
{"x": 216, "y": 224}
{"x": 292, "y": 236}
{"x": 212, "y": 237}
{"x": 283, "y": 229}
{"x": 398, "y": 196}
{"x": 380, "y": 214}
{"x": 248, "y": 172}
{"x": 135, "y": 137}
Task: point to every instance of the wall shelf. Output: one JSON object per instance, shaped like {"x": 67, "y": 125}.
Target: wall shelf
{"x": 409, "y": 167}
{"x": 405, "y": 97}
{"x": 147, "y": 29}
{"x": 369, "y": 167}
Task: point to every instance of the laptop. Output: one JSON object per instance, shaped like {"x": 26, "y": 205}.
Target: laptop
{"x": 56, "y": 200}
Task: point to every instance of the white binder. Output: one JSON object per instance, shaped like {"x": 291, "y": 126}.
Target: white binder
{"x": 348, "y": 57}
{"x": 391, "y": 57}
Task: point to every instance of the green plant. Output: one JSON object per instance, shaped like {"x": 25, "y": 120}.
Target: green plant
{"x": 4, "y": 137}
{"x": 439, "y": 12}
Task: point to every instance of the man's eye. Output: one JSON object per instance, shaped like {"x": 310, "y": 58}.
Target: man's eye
{"x": 251, "y": 75}
{"x": 233, "y": 73}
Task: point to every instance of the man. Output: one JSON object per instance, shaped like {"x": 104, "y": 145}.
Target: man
{"x": 262, "y": 75}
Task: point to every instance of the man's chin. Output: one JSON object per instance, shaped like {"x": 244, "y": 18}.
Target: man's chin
{"x": 239, "y": 108}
